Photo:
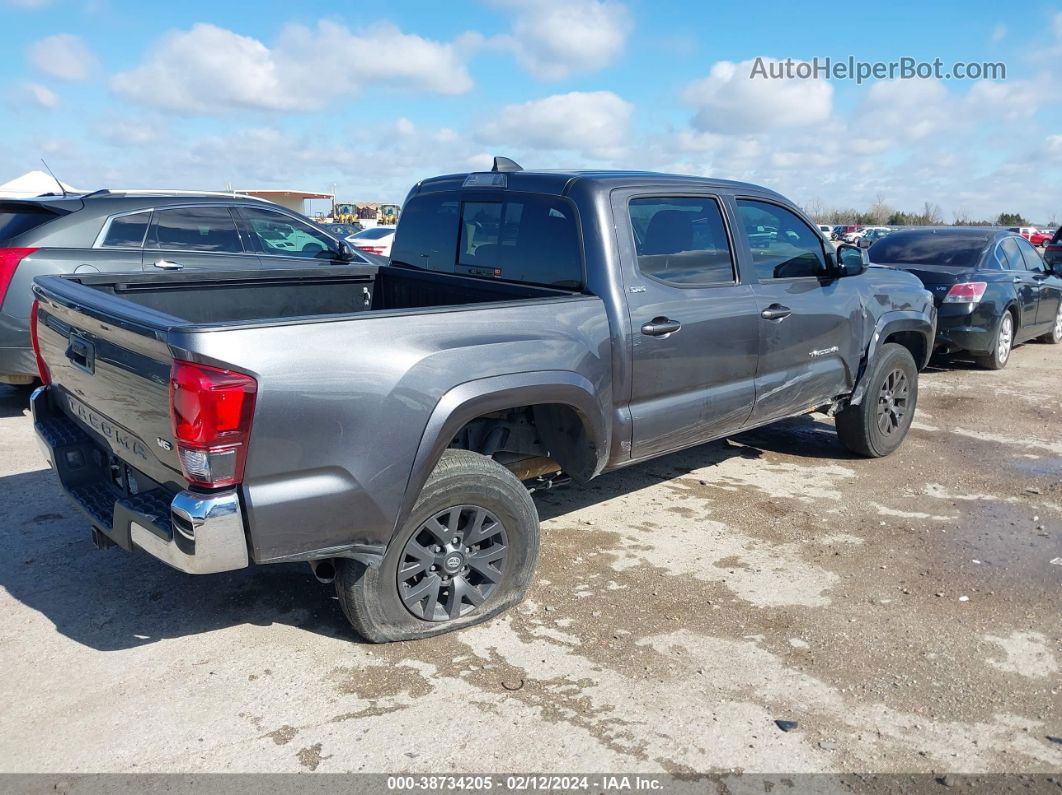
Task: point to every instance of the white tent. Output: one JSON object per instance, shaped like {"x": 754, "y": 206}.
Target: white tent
{"x": 33, "y": 183}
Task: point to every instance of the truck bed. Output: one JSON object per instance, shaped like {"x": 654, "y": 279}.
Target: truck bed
{"x": 221, "y": 298}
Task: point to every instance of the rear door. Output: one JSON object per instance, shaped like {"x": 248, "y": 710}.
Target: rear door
{"x": 808, "y": 346}
{"x": 694, "y": 324}
{"x": 1026, "y": 285}
{"x": 197, "y": 238}
{"x": 1047, "y": 288}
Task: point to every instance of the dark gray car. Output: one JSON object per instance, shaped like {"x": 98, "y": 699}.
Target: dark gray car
{"x": 387, "y": 424}
{"x": 122, "y": 231}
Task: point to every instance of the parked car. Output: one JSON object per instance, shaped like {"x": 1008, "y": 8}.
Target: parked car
{"x": 343, "y": 231}
{"x": 852, "y": 233}
{"x": 387, "y": 425}
{"x": 1053, "y": 249}
{"x": 131, "y": 231}
{"x": 376, "y": 240}
{"x": 992, "y": 288}
{"x": 838, "y": 232}
{"x": 826, "y": 230}
{"x": 872, "y": 234}
{"x": 1032, "y": 234}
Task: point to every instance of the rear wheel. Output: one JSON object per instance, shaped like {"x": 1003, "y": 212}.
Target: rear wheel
{"x": 466, "y": 552}
{"x": 878, "y": 425}
{"x": 1002, "y": 345}
{"x": 1054, "y": 336}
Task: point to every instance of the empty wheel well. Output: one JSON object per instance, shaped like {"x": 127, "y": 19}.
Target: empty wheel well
{"x": 913, "y": 341}
{"x": 532, "y": 440}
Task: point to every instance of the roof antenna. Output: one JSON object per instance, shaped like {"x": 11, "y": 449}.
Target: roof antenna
{"x": 505, "y": 164}
{"x": 57, "y": 182}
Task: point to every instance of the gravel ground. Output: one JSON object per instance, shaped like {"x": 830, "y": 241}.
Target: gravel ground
{"x": 904, "y": 612}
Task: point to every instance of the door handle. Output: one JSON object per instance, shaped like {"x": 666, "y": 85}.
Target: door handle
{"x": 659, "y": 326}
{"x": 1018, "y": 280}
{"x": 776, "y": 312}
{"x": 167, "y": 265}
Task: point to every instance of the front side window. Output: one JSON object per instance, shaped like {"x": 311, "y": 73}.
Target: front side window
{"x": 523, "y": 238}
{"x": 208, "y": 229}
{"x": 681, "y": 240}
{"x": 127, "y": 231}
{"x": 1033, "y": 261}
{"x": 281, "y": 235}
{"x": 783, "y": 246}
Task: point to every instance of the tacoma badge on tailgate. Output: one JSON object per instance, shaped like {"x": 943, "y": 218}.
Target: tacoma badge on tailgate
{"x": 103, "y": 426}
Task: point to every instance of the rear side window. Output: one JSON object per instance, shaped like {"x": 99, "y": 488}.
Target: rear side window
{"x": 195, "y": 229}
{"x": 375, "y": 233}
{"x": 15, "y": 222}
{"x": 524, "y": 238}
{"x": 1012, "y": 254}
{"x": 1033, "y": 260}
{"x": 127, "y": 231}
{"x": 681, "y": 240}
{"x": 427, "y": 232}
{"x": 783, "y": 246}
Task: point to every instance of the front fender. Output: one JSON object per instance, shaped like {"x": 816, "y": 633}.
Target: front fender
{"x": 473, "y": 399}
{"x": 888, "y": 324}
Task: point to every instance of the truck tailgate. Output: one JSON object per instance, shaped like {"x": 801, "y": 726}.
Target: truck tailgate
{"x": 111, "y": 378}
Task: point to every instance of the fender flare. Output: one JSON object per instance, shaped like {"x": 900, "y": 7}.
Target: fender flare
{"x": 888, "y": 324}
{"x": 472, "y": 399}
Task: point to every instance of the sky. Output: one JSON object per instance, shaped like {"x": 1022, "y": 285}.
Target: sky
{"x": 364, "y": 99}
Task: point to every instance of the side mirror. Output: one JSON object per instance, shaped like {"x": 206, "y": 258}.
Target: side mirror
{"x": 346, "y": 253}
{"x": 851, "y": 260}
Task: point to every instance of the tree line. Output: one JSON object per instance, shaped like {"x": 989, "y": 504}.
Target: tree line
{"x": 881, "y": 214}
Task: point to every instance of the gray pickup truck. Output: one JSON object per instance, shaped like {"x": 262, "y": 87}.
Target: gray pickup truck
{"x": 388, "y": 424}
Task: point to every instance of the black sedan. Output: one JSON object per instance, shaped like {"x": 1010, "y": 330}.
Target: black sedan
{"x": 992, "y": 289}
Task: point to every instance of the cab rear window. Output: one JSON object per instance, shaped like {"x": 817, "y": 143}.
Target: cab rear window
{"x": 518, "y": 237}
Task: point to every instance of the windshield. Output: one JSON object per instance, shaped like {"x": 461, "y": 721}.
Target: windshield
{"x": 929, "y": 248}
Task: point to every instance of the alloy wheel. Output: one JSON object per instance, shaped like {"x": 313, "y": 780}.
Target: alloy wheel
{"x": 452, "y": 563}
{"x": 1057, "y": 332}
{"x": 1006, "y": 337}
{"x": 893, "y": 402}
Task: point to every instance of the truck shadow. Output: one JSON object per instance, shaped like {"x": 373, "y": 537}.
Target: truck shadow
{"x": 116, "y": 600}
{"x": 14, "y": 400}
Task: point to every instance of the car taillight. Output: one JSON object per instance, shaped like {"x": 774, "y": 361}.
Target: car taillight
{"x": 966, "y": 293}
{"x": 42, "y": 368}
{"x": 9, "y": 260}
{"x": 211, "y": 411}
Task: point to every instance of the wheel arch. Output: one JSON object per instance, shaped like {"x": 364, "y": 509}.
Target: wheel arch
{"x": 911, "y": 329}
{"x": 558, "y": 399}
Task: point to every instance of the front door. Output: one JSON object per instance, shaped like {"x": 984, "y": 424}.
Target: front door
{"x": 1047, "y": 291}
{"x": 694, "y": 325}
{"x": 1026, "y": 287}
{"x": 808, "y": 344}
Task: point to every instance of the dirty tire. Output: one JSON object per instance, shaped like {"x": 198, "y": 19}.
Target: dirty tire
{"x": 369, "y": 595}
{"x": 1054, "y": 336}
{"x": 859, "y": 427}
{"x": 1002, "y": 344}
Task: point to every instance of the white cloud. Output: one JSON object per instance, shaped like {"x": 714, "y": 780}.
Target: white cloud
{"x": 999, "y": 32}
{"x": 907, "y": 110}
{"x": 556, "y": 38}
{"x": 593, "y": 124}
{"x": 41, "y": 96}
{"x": 730, "y": 100}
{"x": 64, "y": 56}
{"x": 209, "y": 69}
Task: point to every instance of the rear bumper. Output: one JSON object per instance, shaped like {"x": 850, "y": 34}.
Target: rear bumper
{"x": 16, "y": 353}
{"x": 195, "y": 533}
{"x": 961, "y": 329}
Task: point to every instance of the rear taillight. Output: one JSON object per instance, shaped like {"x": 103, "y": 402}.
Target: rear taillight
{"x": 966, "y": 293}
{"x": 373, "y": 249}
{"x": 211, "y": 411}
{"x": 9, "y": 260}
{"x": 42, "y": 368}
